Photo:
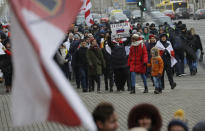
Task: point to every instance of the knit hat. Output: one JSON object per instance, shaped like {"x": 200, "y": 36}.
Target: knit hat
{"x": 179, "y": 114}
{"x": 135, "y": 36}
{"x": 178, "y": 123}
{"x": 76, "y": 36}
{"x": 163, "y": 34}
{"x": 151, "y": 36}
{"x": 183, "y": 27}
{"x": 152, "y": 25}
{"x": 199, "y": 126}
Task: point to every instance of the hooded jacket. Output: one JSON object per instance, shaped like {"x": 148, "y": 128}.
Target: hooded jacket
{"x": 157, "y": 64}
{"x": 138, "y": 57}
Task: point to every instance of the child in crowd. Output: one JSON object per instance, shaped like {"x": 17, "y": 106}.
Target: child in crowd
{"x": 157, "y": 67}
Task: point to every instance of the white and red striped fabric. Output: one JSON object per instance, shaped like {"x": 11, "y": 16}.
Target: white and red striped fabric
{"x": 40, "y": 90}
{"x": 86, "y": 9}
{"x": 161, "y": 48}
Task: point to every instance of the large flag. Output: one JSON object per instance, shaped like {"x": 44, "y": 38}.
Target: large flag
{"x": 40, "y": 90}
{"x": 87, "y": 5}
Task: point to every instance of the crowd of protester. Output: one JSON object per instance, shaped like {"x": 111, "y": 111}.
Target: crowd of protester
{"x": 5, "y": 57}
{"x": 142, "y": 117}
{"x": 91, "y": 52}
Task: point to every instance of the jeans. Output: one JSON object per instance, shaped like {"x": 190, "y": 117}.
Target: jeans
{"x": 180, "y": 64}
{"x": 133, "y": 79}
{"x": 157, "y": 82}
{"x": 198, "y": 53}
{"x": 83, "y": 78}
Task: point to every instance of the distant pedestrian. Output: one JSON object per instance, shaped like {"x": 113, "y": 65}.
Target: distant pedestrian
{"x": 137, "y": 61}
{"x": 81, "y": 60}
{"x": 95, "y": 65}
{"x": 167, "y": 54}
{"x": 157, "y": 67}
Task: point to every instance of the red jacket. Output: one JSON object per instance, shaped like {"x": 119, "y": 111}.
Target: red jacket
{"x": 138, "y": 59}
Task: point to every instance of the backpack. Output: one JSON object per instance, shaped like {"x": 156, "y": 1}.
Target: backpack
{"x": 177, "y": 43}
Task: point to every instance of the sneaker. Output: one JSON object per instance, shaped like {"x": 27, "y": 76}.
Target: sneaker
{"x": 180, "y": 75}
{"x": 173, "y": 86}
{"x": 183, "y": 74}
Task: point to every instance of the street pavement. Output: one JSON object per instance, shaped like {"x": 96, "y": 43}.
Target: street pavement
{"x": 188, "y": 95}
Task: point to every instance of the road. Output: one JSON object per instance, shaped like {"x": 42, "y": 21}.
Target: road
{"x": 188, "y": 95}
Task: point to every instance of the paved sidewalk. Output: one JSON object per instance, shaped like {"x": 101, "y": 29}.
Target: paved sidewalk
{"x": 189, "y": 95}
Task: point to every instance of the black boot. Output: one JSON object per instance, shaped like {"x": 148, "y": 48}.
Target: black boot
{"x": 145, "y": 89}
{"x": 173, "y": 85}
{"x": 106, "y": 87}
{"x": 132, "y": 90}
{"x": 111, "y": 90}
{"x": 156, "y": 91}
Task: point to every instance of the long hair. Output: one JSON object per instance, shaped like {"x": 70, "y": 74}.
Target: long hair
{"x": 192, "y": 30}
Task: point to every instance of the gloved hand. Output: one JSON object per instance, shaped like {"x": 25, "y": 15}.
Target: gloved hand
{"x": 201, "y": 57}
{"x": 159, "y": 75}
{"x": 145, "y": 64}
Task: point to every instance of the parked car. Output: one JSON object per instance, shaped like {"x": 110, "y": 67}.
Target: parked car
{"x": 170, "y": 13}
{"x": 156, "y": 13}
{"x": 199, "y": 14}
{"x": 182, "y": 13}
{"x": 118, "y": 17}
{"x": 135, "y": 16}
{"x": 162, "y": 19}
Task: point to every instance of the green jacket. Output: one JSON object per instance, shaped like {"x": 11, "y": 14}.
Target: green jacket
{"x": 95, "y": 61}
{"x": 146, "y": 36}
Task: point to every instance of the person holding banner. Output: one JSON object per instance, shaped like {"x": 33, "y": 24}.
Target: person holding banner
{"x": 137, "y": 61}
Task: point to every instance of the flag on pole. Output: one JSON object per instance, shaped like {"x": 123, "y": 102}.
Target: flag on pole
{"x": 87, "y": 5}
{"x": 40, "y": 90}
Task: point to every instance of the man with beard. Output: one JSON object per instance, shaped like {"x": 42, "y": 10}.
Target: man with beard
{"x": 167, "y": 54}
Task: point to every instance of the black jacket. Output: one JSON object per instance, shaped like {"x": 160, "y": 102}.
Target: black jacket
{"x": 118, "y": 57}
{"x": 81, "y": 57}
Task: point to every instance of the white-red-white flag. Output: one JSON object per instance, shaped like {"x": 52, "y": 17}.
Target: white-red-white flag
{"x": 87, "y": 5}
{"x": 40, "y": 90}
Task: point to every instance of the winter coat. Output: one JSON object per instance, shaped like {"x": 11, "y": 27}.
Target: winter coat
{"x": 154, "y": 32}
{"x": 81, "y": 57}
{"x": 107, "y": 56}
{"x": 73, "y": 48}
{"x": 157, "y": 66}
{"x": 138, "y": 58}
{"x": 118, "y": 57}
{"x": 149, "y": 46}
{"x": 197, "y": 43}
{"x": 167, "y": 53}
{"x": 95, "y": 61}
{"x": 146, "y": 36}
